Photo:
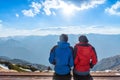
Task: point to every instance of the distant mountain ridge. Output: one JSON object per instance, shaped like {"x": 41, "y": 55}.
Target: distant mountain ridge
{"x": 110, "y": 63}
{"x": 36, "y": 49}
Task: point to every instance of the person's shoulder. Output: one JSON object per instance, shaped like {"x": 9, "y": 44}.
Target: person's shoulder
{"x": 91, "y": 46}
{"x": 54, "y": 47}
{"x": 77, "y": 44}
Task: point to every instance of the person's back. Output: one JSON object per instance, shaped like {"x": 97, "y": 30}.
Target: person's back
{"x": 84, "y": 58}
{"x": 61, "y": 57}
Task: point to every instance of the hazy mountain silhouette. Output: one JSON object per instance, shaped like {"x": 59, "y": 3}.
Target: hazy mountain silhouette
{"x": 36, "y": 49}
{"x": 110, "y": 63}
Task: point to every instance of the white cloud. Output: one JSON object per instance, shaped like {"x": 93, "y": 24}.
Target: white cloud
{"x": 48, "y": 7}
{"x": 113, "y": 10}
{"x": 60, "y": 4}
{"x": 5, "y": 32}
{"x": 28, "y": 13}
{"x": 91, "y": 4}
{"x": 35, "y": 9}
{"x": 0, "y": 21}
{"x": 17, "y": 15}
{"x": 50, "y": 4}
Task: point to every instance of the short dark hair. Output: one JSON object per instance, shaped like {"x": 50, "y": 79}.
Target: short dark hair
{"x": 63, "y": 37}
{"x": 83, "y": 38}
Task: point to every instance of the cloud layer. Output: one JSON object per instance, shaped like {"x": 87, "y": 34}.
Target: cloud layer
{"x": 48, "y": 7}
{"x": 114, "y": 9}
{"x": 34, "y": 10}
{"x": 58, "y": 30}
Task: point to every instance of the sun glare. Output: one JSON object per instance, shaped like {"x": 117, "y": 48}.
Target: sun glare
{"x": 68, "y": 10}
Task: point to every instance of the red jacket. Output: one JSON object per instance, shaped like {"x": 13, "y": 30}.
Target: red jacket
{"x": 85, "y": 57}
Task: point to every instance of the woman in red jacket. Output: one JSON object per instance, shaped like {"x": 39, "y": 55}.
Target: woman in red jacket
{"x": 84, "y": 58}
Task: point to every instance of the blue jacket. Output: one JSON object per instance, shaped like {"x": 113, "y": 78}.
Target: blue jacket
{"x": 61, "y": 56}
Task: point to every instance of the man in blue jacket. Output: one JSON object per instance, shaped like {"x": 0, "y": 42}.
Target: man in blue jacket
{"x": 61, "y": 56}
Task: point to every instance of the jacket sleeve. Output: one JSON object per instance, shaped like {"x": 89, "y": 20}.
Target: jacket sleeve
{"x": 94, "y": 57}
{"x": 75, "y": 57}
{"x": 75, "y": 52}
{"x": 71, "y": 62}
{"x": 52, "y": 56}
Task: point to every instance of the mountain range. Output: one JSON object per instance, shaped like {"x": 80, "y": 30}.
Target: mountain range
{"x": 20, "y": 65}
{"x": 36, "y": 49}
{"x": 110, "y": 63}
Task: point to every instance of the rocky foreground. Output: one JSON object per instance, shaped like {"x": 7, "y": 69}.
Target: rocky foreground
{"x": 6, "y": 70}
{"x": 20, "y": 65}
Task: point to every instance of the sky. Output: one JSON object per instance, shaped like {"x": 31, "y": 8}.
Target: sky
{"x": 54, "y": 17}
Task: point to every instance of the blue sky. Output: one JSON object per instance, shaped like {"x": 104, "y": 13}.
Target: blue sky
{"x": 45, "y": 17}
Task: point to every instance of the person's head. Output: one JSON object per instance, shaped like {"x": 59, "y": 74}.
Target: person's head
{"x": 83, "y": 38}
{"x": 63, "y": 37}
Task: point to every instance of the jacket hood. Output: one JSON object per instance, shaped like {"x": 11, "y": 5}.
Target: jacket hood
{"x": 63, "y": 44}
{"x": 83, "y": 38}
